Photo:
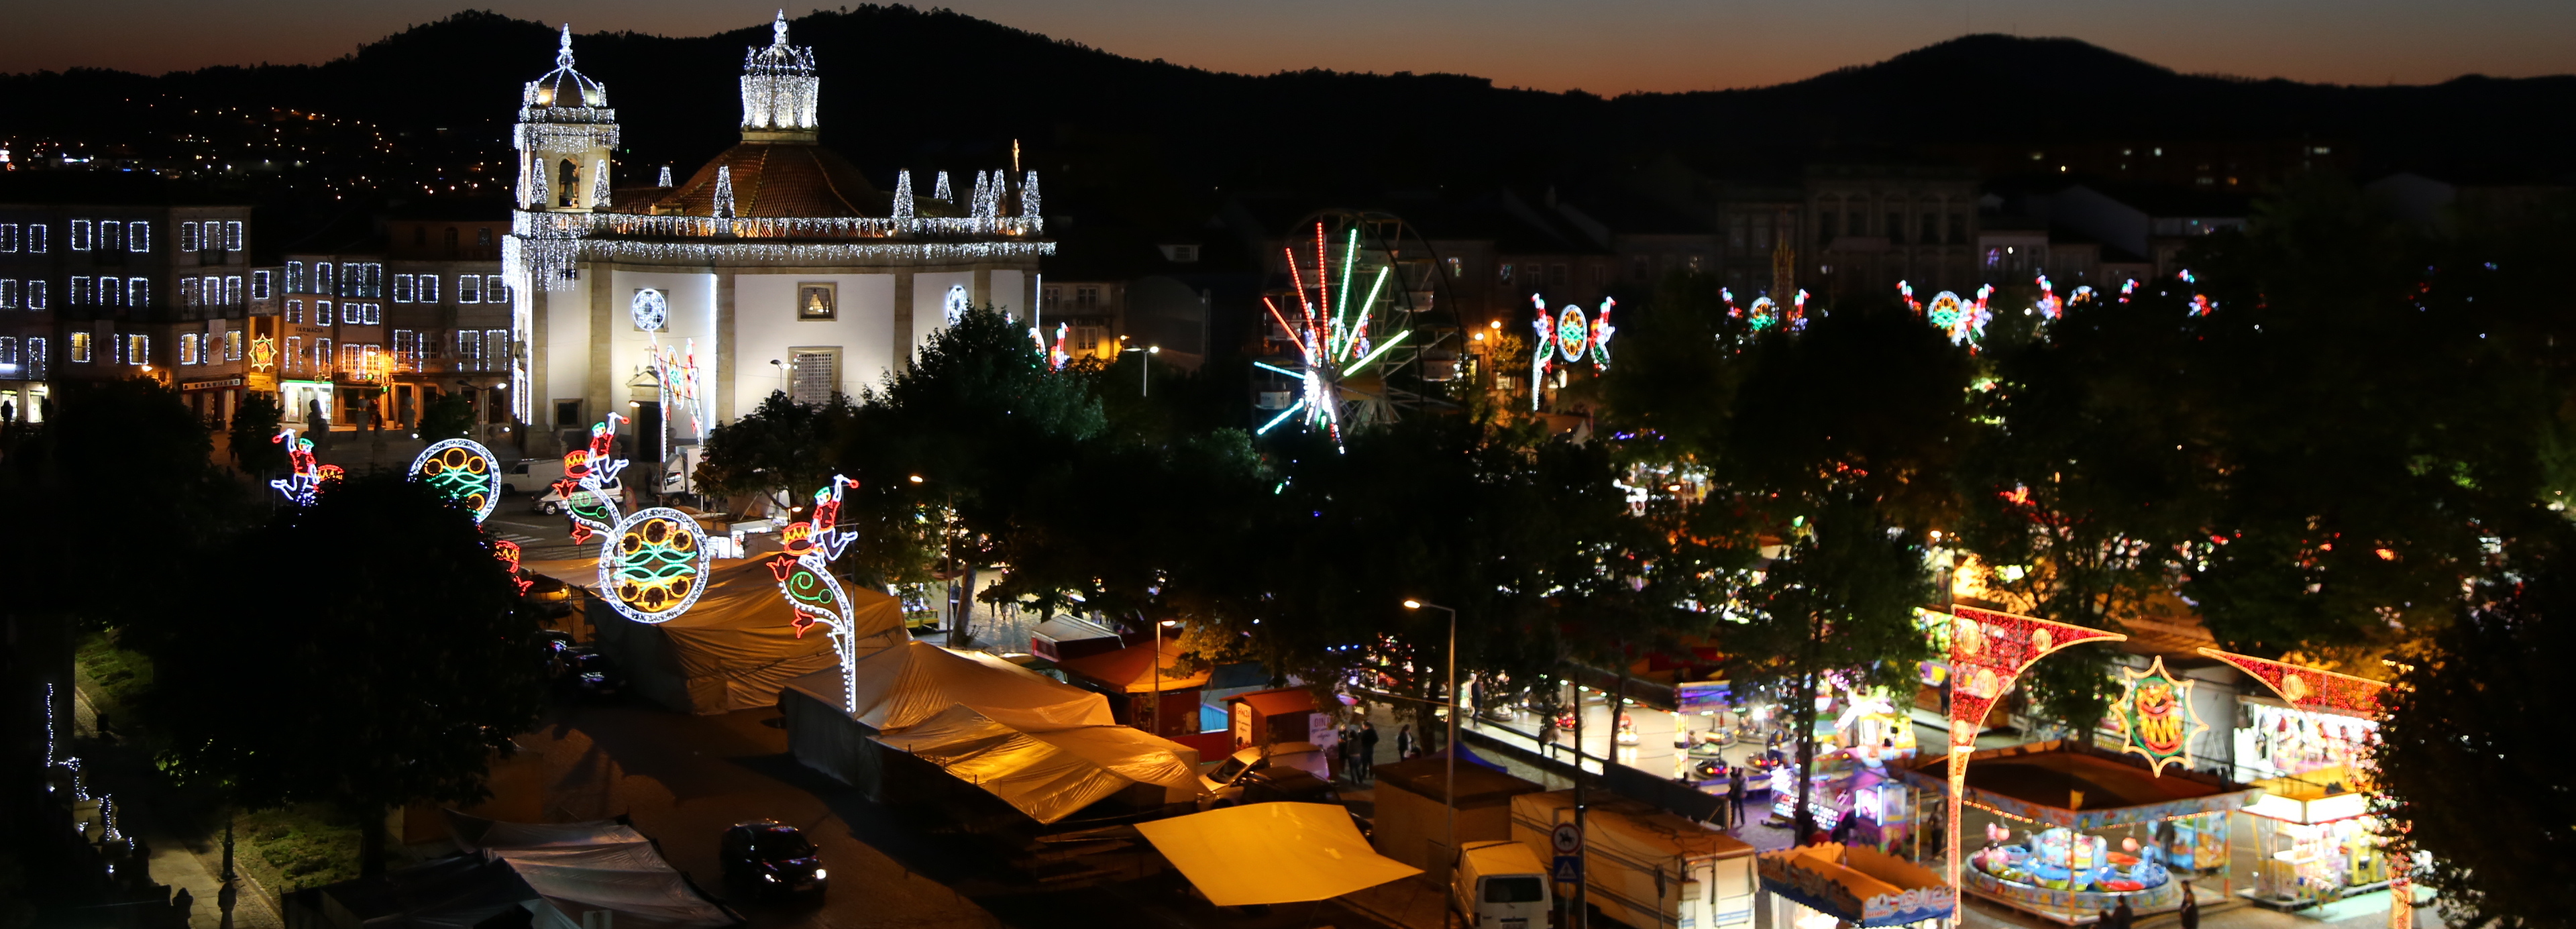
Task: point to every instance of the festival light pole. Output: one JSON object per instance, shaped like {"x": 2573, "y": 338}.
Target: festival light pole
{"x": 1449, "y": 789}
{"x": 1988, "y": 649}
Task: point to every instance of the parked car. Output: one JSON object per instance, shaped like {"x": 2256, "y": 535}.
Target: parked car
{"x": 583, "y": 671}
{"x": 551, "y": 502}
{"x": 765, "y": 857}
{"x": 531, "y": 475}
{"x": 1500, "y": 885}
{"x": 1225, "y": 783}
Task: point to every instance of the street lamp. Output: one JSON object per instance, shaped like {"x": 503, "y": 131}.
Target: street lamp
{"x": 1157, "y": 707}
{"x": 1450, "y": 787}
{"x": 1144, "y": 382}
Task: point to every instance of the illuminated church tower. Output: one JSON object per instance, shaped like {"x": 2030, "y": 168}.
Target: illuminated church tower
{"x": 564, "y": 135}
{"x": 778, "y": 89}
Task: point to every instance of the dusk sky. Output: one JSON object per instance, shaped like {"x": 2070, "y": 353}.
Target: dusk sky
{"x": 1604, "y": 46}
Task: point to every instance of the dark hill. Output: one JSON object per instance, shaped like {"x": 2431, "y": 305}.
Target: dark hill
{"x": 936, "y": 89}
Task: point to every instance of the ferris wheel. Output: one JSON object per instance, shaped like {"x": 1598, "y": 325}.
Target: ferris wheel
{"x": 1366, "y": 305}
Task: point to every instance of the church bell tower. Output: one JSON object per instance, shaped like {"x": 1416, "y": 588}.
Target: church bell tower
{"x": 565, "y": 133}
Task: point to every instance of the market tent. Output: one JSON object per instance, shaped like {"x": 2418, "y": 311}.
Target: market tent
{"x": 1127, "y": 669}
{"x": 904, "y": 686}
{"x": 1049, "y": 775}
{"x": 1267, "y": 853}
{"x": 557, "y": 873}
{"x": 738, "y": 645}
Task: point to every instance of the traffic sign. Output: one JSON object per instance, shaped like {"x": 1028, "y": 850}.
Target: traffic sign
{"x": 1569, "y": 869}
{"x": 1567, "y": 839}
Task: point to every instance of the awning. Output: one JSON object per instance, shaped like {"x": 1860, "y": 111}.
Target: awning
{"x": 1048, "y": 775}
{"x": 1272, "y": 853}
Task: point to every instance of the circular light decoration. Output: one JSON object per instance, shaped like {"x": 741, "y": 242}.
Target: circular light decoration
{"x": 1573, "y": 333}
{"x": 954, "y": 308}
{"x": 464, "y": 471}
{"x": 649, "y": 309}
{"x": 654, "y": 565}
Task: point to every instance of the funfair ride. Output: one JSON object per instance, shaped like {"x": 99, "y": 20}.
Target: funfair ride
{"x": 1366, "y": 307}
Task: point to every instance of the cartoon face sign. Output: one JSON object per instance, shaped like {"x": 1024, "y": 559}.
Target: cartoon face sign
{"x": 2159, "y": 720}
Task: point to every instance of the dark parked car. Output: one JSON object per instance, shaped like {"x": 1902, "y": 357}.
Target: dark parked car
{"x": 768, "y": 857}
{"x": 583, "y": 672}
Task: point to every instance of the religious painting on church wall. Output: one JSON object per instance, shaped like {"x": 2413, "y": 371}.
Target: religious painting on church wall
{"x": 818, "y": 300}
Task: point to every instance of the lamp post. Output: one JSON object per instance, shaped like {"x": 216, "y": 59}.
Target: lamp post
{"x": 1145, "y": 381}
{"x": 1157, "y": 708}
{"x": 1449, "y": 789}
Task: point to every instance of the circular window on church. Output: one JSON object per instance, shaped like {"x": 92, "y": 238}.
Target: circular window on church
{"x": 957, "y": 303}
{"x": 649, "y": 309}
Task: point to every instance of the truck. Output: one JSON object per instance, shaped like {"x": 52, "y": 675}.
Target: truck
{"x": 1644, "y": 867}
{"x": 1500, "y": 885}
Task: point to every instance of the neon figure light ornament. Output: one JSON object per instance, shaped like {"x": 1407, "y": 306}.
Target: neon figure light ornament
{"x": 588, "y": 472}
{"x": 303, "y": 477}
{"x": 464, "y": 471}
{"x": 653, "y": 565}
{"x": 507, "y": 552}
{"x": 804, "y": 573}
{"x": 1965, "y": 322}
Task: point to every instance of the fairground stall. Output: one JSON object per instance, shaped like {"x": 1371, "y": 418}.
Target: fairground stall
{"x": 2071, "y": 831}
{"x": 1831, "y": 886}
{"x": 2314, "y": 838}
{"x": 1860, "y": 735}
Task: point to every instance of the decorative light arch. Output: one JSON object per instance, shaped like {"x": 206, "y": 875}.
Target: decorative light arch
{"x": 1988, "y": 650}
{"x": 653, "y": 565}
{"x": 463, "y": 471}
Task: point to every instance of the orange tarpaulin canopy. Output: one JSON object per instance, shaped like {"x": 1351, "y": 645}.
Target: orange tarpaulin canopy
{"x": 1272, "y": 853}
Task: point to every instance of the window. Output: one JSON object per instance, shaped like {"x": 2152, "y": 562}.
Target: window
{"x": 188, "y": 291}
{"x": 80, "y": 348}
{"x": 232, "y": 344}
{"x": 469, "y": 289}
{"x": 451, "y": 241}
{"x": 8, "y": 294}
{"x": 429, "y": 288}
{"x": 80, "y": 291}
{"x": 1086, "y": 299}
{"x": 138, "y": 236}
{"x": 36, "y": 238}
{"x": 111, "y": 236}
{"x": 8, "y": 237}
{"x": 1457, "y": 268}
{"x": 80, "y": 235}
{"x": 1958, "y": 228}
{"x": 1895, "y": 228}
{"x": 496, "y": 349}
{"x": 1854, "y": 224}
{"x": 138, "y": 292}
{"x": 814, "y": 375}
{"x": 188, "y": 348}
{"x": 35, "y": 295}
{"x": 323, "y": 278}
{"x": 1600, "y": 274}
{"x": 259, "y": 285}
{"x": 1556, "y": 274}
{"x": 494, "y": 291}
{"x": 232, "y": 290}
{"x": 420, "y": 235}
{"x": 1503, "y": 272}
{"x": 1931, "y": 229}
{"x": 295, "y": 311}
{"x": 322, "y": 312}
{"x": 321, "y": 358}
{"x": 407, "y": 350}
{"x": 483, "y": 236}
{"x": 294, "y": 353}
{"x": 8, "y": 357}
{"x": 295, "y": 278}
{"x": 568, "y": 413}
{"x": 188, "y": 239}
{"x": 402, "y": 288}
{"x": 36, "y": 359}
{"x": 232, "y": 235}
{"x": 111, "y": 291}
{"x": 137, "y": 348}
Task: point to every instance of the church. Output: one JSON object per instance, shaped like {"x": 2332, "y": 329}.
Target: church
{"x": 775, "y": 267}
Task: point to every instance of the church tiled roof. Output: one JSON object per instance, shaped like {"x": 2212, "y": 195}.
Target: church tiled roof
{"x": 779, "y": 180}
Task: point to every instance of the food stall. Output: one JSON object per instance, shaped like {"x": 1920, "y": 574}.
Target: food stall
{"x": 2314, "y": 837}
{"x": 2072, "y": 831}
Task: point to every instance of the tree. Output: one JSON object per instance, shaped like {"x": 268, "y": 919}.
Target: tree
{"x": 450, "y": 416}
{"x": 111, "y": 453}
{"x": 779, "y": 452}
{"x": 394, "y": 676}
{"x": 253, "y": 436}
{"x": 2472, "y": 753}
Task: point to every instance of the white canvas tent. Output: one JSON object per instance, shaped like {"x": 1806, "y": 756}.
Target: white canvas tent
{"x": 738, "y": 646}
{"x": 559, "y": 873}
{"x": 1046, "y": 748}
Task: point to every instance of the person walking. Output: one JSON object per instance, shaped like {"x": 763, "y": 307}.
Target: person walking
{"x": 1344, "y": 743}
{"x": 1735, "y": 793}
{"x": 2122, "y": 917}
{"x": 1404, "y": 742}
{"x": 2190, "y": 914}
{"x": 1368, "y": 752}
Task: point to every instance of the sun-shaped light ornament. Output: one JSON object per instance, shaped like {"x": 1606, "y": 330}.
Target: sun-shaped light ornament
{"x": 650, "y": 310}
{"x": 653, "y": 565}
{"x": 461, "y": 470}
{"x": 2156, "y": 717}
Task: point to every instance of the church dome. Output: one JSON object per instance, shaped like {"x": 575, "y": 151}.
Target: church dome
{"x": 778, "y": 180}
{"x": 564, "y": 87}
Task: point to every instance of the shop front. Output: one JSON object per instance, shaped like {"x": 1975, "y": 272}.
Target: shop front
{"x": 2315, "y": 840}
{"x": 2071, "y": 831}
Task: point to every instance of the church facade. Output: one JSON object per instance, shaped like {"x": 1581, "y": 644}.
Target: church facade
{"x": 776, "y": 266}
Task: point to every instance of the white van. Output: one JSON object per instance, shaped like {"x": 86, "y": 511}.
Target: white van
{"x": 1501, "y": 885}
{"x": 530, "y": 476}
